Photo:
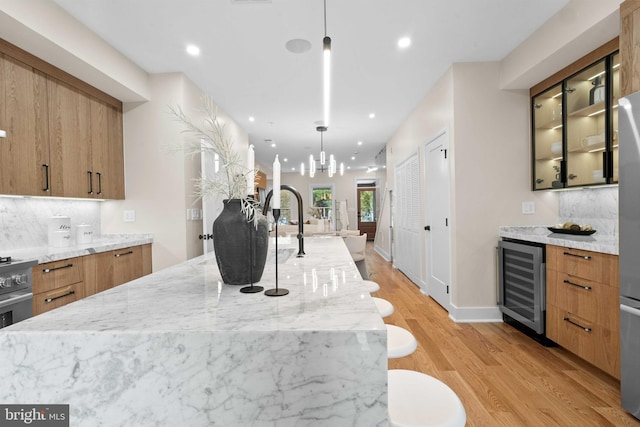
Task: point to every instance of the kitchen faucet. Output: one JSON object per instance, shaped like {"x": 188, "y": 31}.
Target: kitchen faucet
{"x": 300, "y": 223}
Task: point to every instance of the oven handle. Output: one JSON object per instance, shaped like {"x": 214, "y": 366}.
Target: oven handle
{"x": 16, "y": 300}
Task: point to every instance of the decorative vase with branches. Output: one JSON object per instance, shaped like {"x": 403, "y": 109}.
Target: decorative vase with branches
{"x": 240, "y": 252}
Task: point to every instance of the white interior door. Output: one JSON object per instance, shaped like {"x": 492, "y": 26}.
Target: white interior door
{"x": 212, "y": 206}
{"x": 407, "y": 238}
{"x": 437, "y": 235}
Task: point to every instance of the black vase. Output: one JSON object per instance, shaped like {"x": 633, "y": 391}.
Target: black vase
{"x": 240, "y": 248}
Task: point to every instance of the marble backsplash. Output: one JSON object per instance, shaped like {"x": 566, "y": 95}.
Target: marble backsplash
{"x": 24, "y": 221}
{"x": 597, "y": 206}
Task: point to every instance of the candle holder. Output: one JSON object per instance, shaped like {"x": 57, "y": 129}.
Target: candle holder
{"x": 276, "y": 292}
{"x": 251, "y": 289}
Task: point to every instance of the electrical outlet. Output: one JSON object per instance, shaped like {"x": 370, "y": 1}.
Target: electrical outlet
{"x": 528, "y": 208}
{"x": 129, "y": 216}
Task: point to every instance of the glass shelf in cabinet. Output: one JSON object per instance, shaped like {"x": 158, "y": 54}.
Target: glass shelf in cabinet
{"x": 590, "y": 110}
{"x": 552, "y": 124}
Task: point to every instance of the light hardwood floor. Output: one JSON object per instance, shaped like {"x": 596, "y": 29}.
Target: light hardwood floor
{"x": 503, "y": 377}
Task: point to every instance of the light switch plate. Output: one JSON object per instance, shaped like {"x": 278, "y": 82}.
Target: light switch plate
{"x": 129, "y": 216}
{"x": 528, "y": 208}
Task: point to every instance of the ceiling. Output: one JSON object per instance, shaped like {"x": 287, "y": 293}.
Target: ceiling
{"x": 244, "y": 65}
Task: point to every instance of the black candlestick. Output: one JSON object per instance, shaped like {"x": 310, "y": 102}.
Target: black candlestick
{"x": 276, "y": 292}
{"x": 251, "y": 289}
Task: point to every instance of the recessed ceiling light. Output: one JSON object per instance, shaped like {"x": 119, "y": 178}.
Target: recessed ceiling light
{"x": 348, "y": 167}
{"x": 273, "y": 144}
{"x": 372, "y": 115}
{"x": 193, "y": 50}
{"x": 404, "y": 42}
{"x": 298, "y": 45}
{"x": 353, "y": 157}
{"x": 359, "y": 142}
{"x": 252, "y": 119}
{"x": 285, "y": 159}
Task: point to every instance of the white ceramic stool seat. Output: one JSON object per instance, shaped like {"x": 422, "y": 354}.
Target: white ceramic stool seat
{"x": 385, "y": 308}
{"x": 417, "y": 399}
{"x": 400, "y": 342}
{"x": 371, "y": 286}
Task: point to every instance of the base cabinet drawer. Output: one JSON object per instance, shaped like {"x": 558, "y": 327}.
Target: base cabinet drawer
{"x": 591, "y": 341}
{"x": 45, "y": 301}
{"x": 590, "y": 300}
{"x": 53, "y": 275}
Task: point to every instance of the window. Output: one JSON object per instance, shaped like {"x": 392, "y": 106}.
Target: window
{"x": 322, "y": 202}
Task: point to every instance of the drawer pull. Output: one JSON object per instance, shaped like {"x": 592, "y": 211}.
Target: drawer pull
{"x": 48, "y": 300}
{"x": 49, "y": 270}
{"x": 586, "y": 288}
{"x": 123, "y": 254}
{"x": 587, "y": 257}
{"x": 566, "y": 319}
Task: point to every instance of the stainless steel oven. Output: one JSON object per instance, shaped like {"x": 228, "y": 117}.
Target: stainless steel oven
{"x": 15, "y": 291}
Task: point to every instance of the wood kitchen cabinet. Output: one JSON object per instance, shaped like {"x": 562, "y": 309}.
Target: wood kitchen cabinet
{"x": 57, "y": 283}
{"x": 113, "y": 268}
{"x": 24, "y": 150}
{"x": 582, "y": 305}
{"x": 574, "y": 119}
{"x": 64, "y": 137}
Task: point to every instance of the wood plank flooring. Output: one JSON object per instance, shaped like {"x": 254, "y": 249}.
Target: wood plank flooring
{"x": 503, "y": 377}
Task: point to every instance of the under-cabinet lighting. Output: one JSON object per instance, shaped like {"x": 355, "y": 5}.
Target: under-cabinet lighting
{"x": 616, "y": 66}
{"x": 557, "y": 95}
{"x": 597, "y": 112}
{"x": 595, "y": 150}
{"x": 597, "y": 75}
{"x": 556, "y": 127}
{"x": 556, "y": 159}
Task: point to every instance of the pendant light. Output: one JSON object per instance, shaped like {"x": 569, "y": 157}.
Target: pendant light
{"x": 326, "y": 49}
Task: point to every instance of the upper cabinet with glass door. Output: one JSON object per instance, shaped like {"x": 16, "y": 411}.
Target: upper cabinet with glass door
{"x": 575, "y": 128}
{"x": 547, "y": 134}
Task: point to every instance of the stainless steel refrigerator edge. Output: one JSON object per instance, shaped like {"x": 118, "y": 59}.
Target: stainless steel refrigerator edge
{"x": 629, "y": 232}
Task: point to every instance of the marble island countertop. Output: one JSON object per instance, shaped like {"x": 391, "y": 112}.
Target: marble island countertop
{"x": 104, "y": 243}
{"x": 604, "y": 243}
{"x": 178, "y": 347}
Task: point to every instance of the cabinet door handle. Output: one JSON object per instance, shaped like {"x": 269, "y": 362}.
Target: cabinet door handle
{"x": 46, "y": 177}
{"x": 577, "y": 285}
{"x": 48, "y": 300}
{"x": 49, "y": 270}
{"x": 123, "y": 254}
{"x": 567, "y": 319}
{"x": 587, "y": 257}
{"x": 90, "y": 174}
{"x": 99, "y": 182}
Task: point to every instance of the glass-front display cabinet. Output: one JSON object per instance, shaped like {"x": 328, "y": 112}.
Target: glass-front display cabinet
{"x": 575, "y": 128}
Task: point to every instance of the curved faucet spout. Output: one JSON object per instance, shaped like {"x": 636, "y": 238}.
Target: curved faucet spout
{"x": 267, "y": 201}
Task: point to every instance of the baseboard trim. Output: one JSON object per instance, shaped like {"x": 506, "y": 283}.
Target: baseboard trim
{"x": 382, "y": 253}
{"x": 475, "y": 314}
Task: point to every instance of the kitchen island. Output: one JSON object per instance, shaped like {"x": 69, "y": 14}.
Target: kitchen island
{"x": 179, "y": 347}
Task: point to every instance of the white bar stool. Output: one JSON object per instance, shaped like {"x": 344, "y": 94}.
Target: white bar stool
{"x": 400, "y": 342}
{"x": 417, "y": 399}
{"x": 385, "y": 308}
{"x": 371, "y": 286}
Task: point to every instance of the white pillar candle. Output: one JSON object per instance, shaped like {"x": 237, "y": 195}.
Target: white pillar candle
{"x": 251, "y": 176}
{"x": 276, "y": 184}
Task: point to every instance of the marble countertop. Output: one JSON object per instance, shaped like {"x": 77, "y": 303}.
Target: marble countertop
{"x": 326, "y": 293}
{"x": 103, "y": 243}
{"x": 603, "y": 243}
{"x": 179, "y": 347}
